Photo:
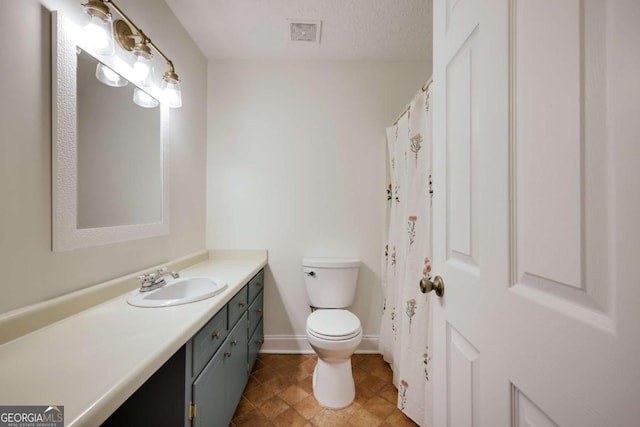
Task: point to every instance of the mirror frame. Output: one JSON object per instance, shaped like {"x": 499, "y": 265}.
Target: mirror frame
{"x": 66, "y": 235}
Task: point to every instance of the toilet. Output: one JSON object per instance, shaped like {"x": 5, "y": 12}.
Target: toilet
{"x": 333, "y": 332}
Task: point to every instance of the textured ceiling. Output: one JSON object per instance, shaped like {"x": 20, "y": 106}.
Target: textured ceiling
{"x": 351, "y": 29}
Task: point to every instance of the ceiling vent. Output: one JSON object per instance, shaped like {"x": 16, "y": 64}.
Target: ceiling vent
{"x": 305, "y": 31}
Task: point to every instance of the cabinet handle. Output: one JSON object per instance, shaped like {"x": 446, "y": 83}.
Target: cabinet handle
{"x": 216, "y": 335}
{"x": 259, "y": 311}
{"x": 260, "y": 342}
{"x": 241, "y": 304}
{"x": 259, "y": 284}
{"x": 227, "y": 354}
{"x": 234, "y": 342}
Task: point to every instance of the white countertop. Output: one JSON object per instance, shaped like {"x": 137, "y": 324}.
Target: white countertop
{"x": 94, "y": 360}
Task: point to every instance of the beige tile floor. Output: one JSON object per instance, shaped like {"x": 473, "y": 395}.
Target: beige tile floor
{"x": 279, "y": 393}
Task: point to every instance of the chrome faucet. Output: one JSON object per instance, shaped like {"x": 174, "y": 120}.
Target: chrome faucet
{"x": 155, "y": 280}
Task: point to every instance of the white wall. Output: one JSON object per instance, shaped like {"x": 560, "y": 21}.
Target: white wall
{"x": 29, "y": 271}
{"x": 296, "y": 165}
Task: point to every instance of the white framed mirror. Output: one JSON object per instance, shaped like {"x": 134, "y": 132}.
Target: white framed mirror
{"x": 109, "y": 155}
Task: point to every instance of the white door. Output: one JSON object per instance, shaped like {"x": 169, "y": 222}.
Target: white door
{"x": 537, "y": 212}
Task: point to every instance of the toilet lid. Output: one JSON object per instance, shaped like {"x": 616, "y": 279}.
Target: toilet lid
{"x": 333, "y": 323}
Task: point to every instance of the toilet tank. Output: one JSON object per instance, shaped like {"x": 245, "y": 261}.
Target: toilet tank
{"x": 330, "y": 282}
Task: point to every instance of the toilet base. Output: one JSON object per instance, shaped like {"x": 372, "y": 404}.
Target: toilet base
{"x": 333, "y": 384}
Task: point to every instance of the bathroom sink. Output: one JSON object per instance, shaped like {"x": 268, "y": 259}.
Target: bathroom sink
{"x": 179, "y": 291}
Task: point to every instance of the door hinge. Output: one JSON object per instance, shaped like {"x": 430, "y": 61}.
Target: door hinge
{"x": 192, "y": 411}
{"x": 247, "y": 367}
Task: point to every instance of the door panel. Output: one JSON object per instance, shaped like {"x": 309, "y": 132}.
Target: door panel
{"x": 527, "y": 414}
{"x": 236, "y": 365}
{"x": 548, "y": 142}
{"x": 460, "y": 15}
{"x": 462, "y": 220}
{"x": 560, "y": 155}
{"x": 462, "y": 378}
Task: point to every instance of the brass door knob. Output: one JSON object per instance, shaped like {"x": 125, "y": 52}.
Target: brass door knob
{"x": 437, "y": 285}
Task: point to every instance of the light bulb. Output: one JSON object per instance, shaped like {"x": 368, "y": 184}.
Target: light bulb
{"x": 141, "y": 68}
{"x": 173, "y": 95}
{"x": 109, "y": 77}
{"x": 143, "y": 99}
{"x": 171, "y": 90}
{"x": 99, "y": 35}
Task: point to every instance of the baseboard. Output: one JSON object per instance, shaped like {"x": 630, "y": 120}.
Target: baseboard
{"x": 298, "y": 344}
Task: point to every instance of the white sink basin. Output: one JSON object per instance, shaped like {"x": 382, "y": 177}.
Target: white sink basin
{"x": 179, "y": 291}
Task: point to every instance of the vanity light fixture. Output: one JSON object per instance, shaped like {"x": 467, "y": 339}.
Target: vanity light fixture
{"x": 137, "y": 42}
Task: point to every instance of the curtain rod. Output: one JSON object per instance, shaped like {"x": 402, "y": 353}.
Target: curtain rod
{"x": 422, "y": 89}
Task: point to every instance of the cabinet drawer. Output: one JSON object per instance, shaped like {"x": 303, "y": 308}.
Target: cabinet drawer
{"x": 256, "y": 285}
{"x": 255, "y": 312}
{"x": 208, "y": 340}
{"x": 237, "y": 306}
{"x": 254, "y": 344}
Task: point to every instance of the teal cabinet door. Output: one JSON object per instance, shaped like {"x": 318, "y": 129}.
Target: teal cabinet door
{"x": 256, "y": 334}
{"x": 236, "y": 370}
{"x": 255, "y": 342}
{"x": 218, "y": 389}
{"x": 209, "y": 395}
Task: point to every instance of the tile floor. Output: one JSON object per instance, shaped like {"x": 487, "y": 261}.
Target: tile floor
{"x": 279, "y": 393}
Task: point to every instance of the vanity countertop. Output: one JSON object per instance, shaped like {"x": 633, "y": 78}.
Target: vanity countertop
{"x": 91, "y": 362}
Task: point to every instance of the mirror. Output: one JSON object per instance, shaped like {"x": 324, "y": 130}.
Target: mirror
{"x": 109, "y": 154}
{"x": 119, "y": 170}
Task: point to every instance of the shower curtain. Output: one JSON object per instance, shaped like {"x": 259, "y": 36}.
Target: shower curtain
{"x": 405, "y": 335}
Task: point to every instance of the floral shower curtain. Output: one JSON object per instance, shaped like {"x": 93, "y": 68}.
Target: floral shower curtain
{"x": 405, "y": 335}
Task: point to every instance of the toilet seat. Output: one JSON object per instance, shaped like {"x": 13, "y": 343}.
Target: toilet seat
{"x": 333, "y": 324}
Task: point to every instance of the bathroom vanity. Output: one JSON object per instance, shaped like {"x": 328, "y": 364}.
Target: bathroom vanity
{"x": 203, "y": 382}
{"x": 115, "y": 360}
{"x": 219, "y": 372}
{"x": 219, "y": 366}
